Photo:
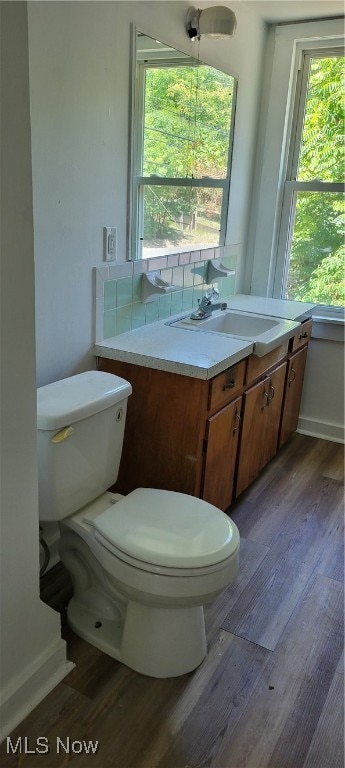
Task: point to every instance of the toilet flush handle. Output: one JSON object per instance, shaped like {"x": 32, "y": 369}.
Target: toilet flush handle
{"x": 62, "y": 435}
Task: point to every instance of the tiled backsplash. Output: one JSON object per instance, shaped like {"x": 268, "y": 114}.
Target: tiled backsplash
{"x": 118, "y": 306}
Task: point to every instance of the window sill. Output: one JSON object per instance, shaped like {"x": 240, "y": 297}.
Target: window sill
{"x": 328, "y": 326}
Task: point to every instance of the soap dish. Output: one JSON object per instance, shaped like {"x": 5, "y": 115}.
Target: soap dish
{"x": 153, "y": 286}
{"x": 216, "y": 269}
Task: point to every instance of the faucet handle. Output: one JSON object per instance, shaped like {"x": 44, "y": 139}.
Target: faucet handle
{"x": 212, "y": 293}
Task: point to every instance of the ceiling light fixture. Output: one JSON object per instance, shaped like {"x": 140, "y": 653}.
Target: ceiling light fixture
{"x": 217, "y": 21}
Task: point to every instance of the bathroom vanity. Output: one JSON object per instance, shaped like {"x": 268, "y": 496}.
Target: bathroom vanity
{"x": 208, "y": 437}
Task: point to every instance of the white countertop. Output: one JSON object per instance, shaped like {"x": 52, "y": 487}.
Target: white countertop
{"x": 200, "y": 355}
{"x": 262, "y": 305}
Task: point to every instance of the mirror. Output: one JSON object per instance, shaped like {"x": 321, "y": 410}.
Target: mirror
{"x": 182, "y": 125}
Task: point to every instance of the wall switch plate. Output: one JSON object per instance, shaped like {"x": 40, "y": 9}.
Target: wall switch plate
{"x": 109, "y": 243}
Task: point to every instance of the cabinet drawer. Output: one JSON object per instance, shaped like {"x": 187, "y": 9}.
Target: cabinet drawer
{"x": 302, "y": 336}
{"x": 257, "y": 366}
{"x": 226, "y": 385}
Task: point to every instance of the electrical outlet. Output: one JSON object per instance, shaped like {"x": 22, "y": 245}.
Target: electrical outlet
{"x": 109, "y": 243}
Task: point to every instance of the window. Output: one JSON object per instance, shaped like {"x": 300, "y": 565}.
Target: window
{"x": 181, "y": 155}
{"x": 311, "y": 238}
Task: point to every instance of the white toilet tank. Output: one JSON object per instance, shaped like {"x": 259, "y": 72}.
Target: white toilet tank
{"x": 80, "y": 423}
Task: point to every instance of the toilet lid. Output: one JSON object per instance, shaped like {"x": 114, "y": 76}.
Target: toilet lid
{"x": 168, "y": 529}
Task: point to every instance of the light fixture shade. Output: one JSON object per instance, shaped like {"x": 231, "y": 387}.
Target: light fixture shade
{"x": 217, "y": 21}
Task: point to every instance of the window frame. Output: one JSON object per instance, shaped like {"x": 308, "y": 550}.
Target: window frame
{"x": 283, "y": 48}
{"x": 137, "y": 181}
{"x": 291, "y": 186}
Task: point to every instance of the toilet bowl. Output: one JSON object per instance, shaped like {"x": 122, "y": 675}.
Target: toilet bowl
{"x": 142, "y": 565}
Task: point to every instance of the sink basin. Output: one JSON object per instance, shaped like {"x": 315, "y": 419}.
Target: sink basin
{"x": 238, "y": 324}
{"x": 263, "y": 331}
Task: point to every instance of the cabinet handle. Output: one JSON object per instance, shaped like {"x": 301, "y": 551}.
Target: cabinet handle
{"x": 293, "y": 376}
{"x": 265, "y": 394}
{"x": 237, "y": 416}
{"x": 270, "y": 397}
{"x": 230, "y": 384}
{"x": 303, "y": 335}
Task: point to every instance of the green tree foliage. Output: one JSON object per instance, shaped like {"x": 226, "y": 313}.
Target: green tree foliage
{"x": 318, "y": 232}
{"x": 187, "y": 120}
{"x": 326, "y": 281}
{"x": 186, "y": 135}
{"x": 318, "y": 236}
{"x": 322, "y": 151}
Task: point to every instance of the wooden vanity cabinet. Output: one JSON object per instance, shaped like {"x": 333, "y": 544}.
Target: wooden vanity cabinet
{"x": 181, "y": 433}
{"x": 209, "y": 439}
{"x": 165, "y": 429}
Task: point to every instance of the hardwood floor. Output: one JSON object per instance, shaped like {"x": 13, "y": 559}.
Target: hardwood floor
{"x": 270, "y": 692}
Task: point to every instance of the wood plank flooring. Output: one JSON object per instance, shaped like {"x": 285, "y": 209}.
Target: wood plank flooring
{"x": 270, "y": 692}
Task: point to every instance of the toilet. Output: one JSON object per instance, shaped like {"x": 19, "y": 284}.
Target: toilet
{"x": 142, "y": 565}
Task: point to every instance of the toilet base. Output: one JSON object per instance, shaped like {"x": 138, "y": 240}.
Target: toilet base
{"x": 158, "y": 642}
{"x": 163, "y": 642}
{"x": 103, "y": 633}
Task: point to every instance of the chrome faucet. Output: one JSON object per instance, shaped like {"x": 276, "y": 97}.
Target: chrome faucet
{"x": 207, "y": 306}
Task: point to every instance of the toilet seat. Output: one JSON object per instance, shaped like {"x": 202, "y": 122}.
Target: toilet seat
{"x": 160, "y": 570}
{"x": 166, "y": 532}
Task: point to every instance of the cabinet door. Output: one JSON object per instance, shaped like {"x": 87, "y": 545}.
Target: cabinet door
{"x": 222, "y": 432}
{"x": 293, "y": 394}
{"x": 260, "y": 428}
{"x": 275, "y": 389}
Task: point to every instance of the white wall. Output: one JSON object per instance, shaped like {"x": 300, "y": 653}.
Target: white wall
{"x": 322, "y": 406}
{"x": 33, "y": 656}
{"x": 79, "y": 85}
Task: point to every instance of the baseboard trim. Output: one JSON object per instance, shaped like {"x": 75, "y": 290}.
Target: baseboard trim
{"x": 23, "y": 696}
{"x": 320, "y": 429}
